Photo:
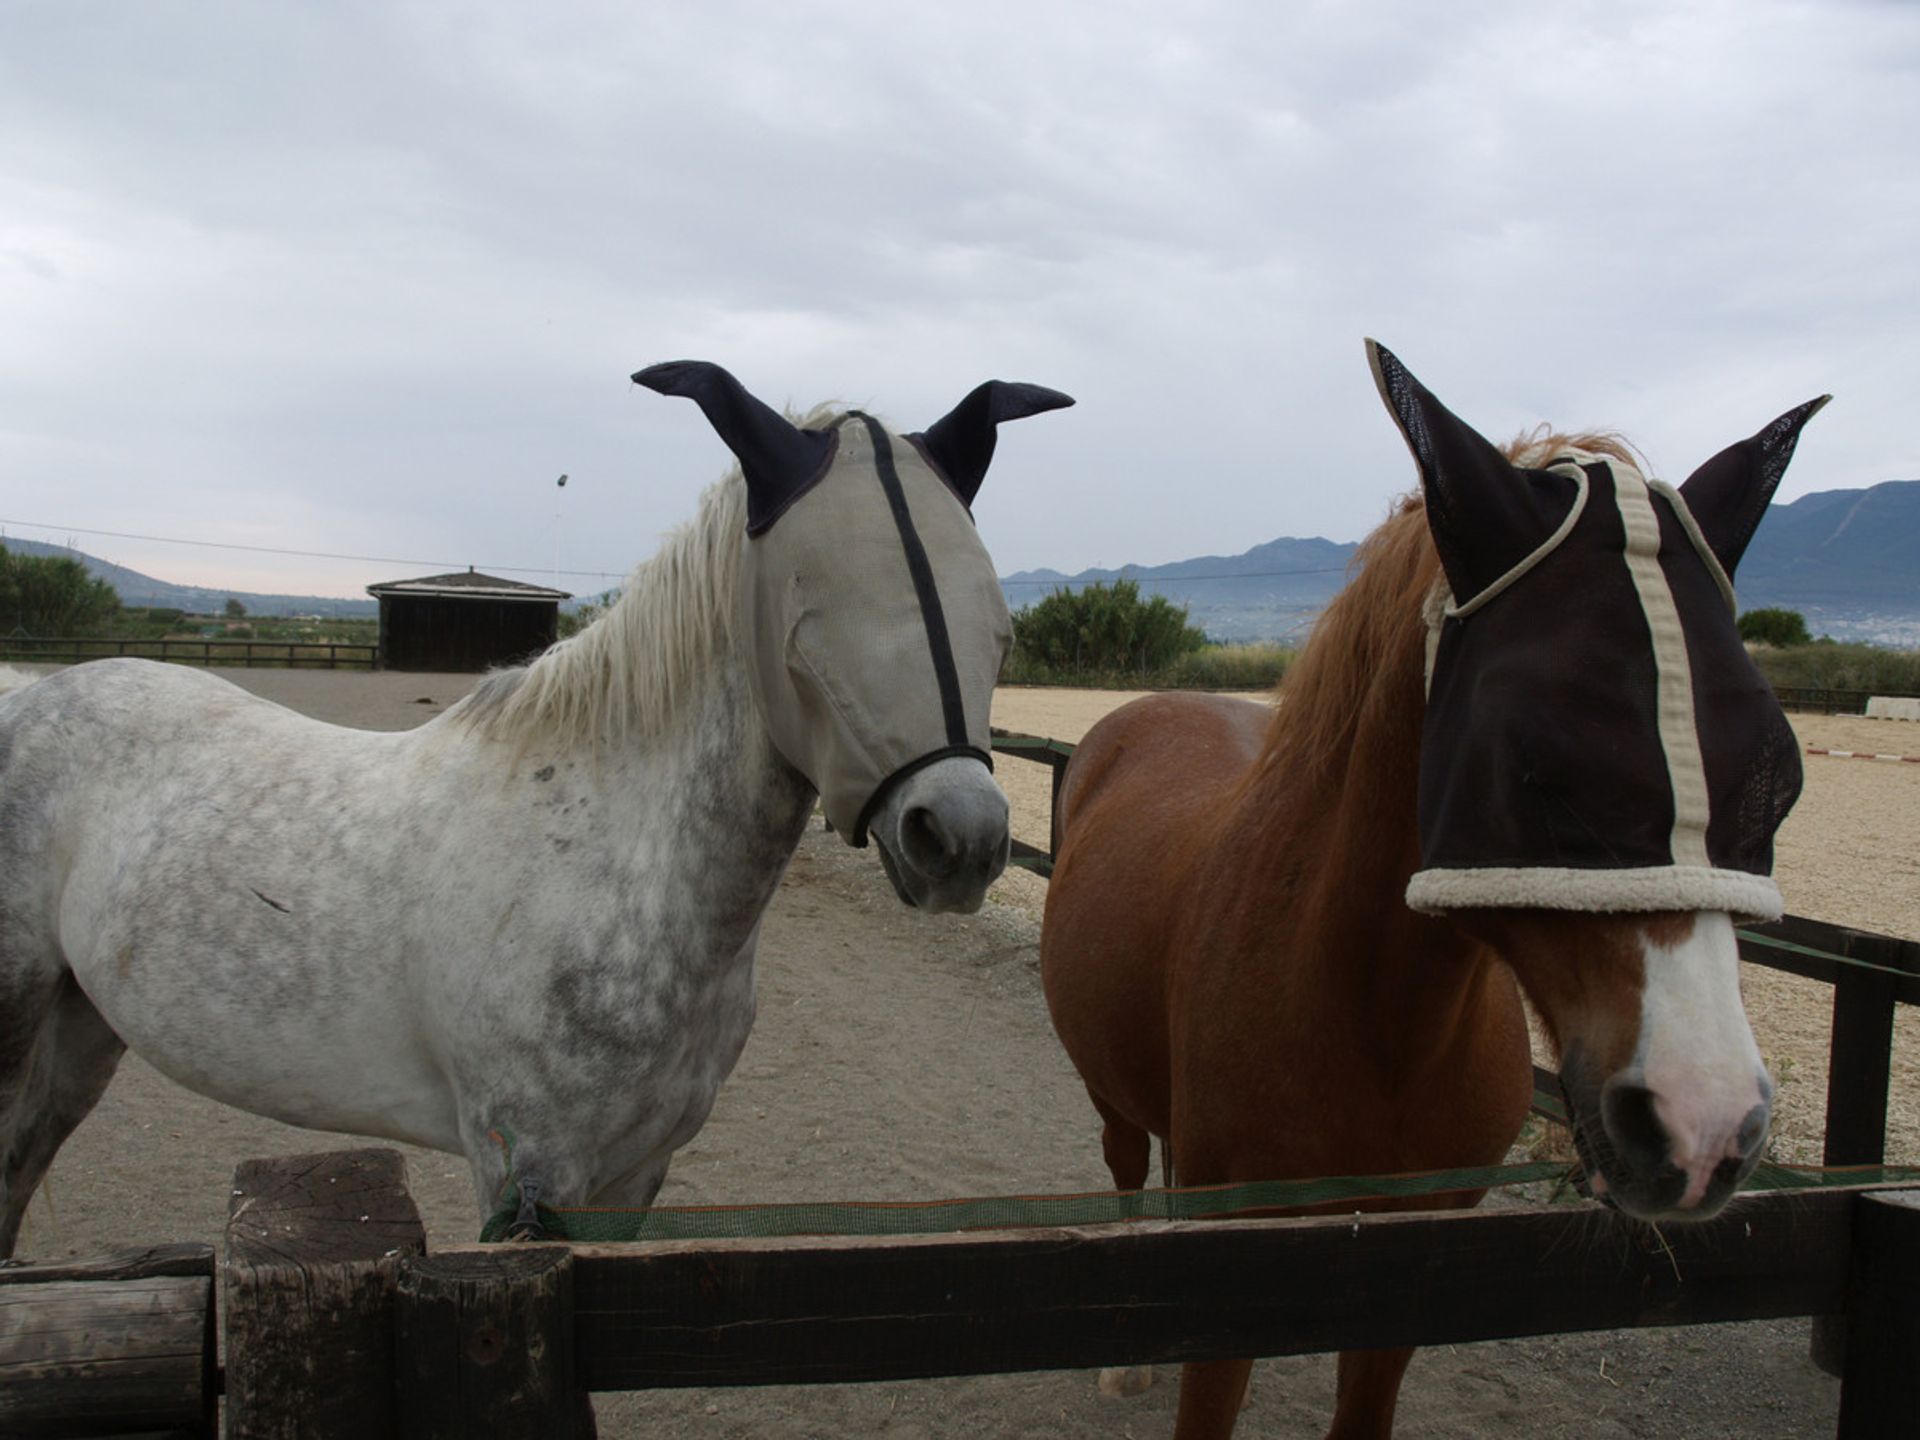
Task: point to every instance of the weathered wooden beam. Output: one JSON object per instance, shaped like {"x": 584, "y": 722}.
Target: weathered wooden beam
{"x": 1880, "y": 1386}
{"x": 1880, "y": 1381}
{"x": 109, "y": 1346}
{"x": 485, "y": 1344}
{"x": 829, "y": 1310}
{"x": 1859, "y": 1077}
{"x": 314, "y": 1243}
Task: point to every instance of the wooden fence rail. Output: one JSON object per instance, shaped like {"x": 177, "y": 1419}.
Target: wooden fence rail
{"x": 341, "y": 1326}
{"x": 1820, "y": 701}
{"x": 291, "y": 654}
{"x": 120, "y": 1345}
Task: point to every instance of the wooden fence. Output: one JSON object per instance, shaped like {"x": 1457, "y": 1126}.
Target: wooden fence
{"x": 337, "y": 1322}
{"x": 1823, "y": 702}
{"x": 293, "y": 654}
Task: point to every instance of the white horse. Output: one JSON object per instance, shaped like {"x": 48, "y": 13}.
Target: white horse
{"x": 523, "y": 932}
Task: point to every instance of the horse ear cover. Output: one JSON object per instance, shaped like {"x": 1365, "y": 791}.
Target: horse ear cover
{"x": 1486, "y": 514}
{"x": 961, "y": 442}
{"x": 1730, "y": 493}
{"x": 778, "y": 459}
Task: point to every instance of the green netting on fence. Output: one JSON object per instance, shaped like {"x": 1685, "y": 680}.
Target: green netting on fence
{"x": 1013, "y": 1212}
{"x": 1004, "y": 1212}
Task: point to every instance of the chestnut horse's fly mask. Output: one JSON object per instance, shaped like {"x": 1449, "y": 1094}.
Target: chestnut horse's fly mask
{"x": 1596, "y": 737}
{"x": 873, "y": 624}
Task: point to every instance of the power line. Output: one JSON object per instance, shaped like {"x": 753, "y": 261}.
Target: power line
{"x": 305, "y": 554}
{"x": 596, "y": 574}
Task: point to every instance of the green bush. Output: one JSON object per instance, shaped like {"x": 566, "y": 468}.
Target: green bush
{"x": 1104, "y": 630}
{"x": 1774, "y": 627}
{"x": 572, "y": 622}
{"x": 52, "y": 596}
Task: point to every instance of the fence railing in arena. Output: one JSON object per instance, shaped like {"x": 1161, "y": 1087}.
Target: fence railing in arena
{"x": 293, "y": 654}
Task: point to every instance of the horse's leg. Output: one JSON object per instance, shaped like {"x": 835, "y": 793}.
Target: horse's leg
{"x": 1211, "y": 1395}
{"x": 1369, "y": 1387}
{"x": 1127, "y": 1148}
{"x": 1125, "y": 1145}
{"x": 60, "y": 1077}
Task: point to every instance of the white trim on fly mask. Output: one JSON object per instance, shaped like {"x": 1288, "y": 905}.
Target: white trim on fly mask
{"x": 1642, "y": 890}
{"x": 1673, "y": 675}
{"x": 1684, "y": 514}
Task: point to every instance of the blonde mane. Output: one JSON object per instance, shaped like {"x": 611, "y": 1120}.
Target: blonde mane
{"x": 1369, "y": 640}
{"x": 629, "y": 673}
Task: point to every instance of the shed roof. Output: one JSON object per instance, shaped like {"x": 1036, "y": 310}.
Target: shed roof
{"x": 468, "y": 584}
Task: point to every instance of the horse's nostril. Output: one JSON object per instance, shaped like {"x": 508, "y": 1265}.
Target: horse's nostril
{"x": 926, "y": 842}
{"x": 1633, "y": 1125}
{"x": 1753, "y": 1129}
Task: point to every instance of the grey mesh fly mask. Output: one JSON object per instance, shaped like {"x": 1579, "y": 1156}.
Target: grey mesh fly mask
{"x": 871, "y": 618}
{"x": 1596, "y": 737}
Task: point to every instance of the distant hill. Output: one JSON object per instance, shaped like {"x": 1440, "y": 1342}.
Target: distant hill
{"x": 1270, "y": 592}
{"x": 133, "y": 588}
{"x": 1849, "y": 560}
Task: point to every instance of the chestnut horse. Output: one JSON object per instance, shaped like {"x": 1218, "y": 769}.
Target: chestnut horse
{"x": 1524, "y": 745}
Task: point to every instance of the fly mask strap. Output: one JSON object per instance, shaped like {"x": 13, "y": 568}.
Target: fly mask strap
{"x": 1439, "y": 606}
{"x": 932, "y": 615}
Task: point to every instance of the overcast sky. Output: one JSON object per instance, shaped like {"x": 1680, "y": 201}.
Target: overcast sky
{"x": 365, "y": 278}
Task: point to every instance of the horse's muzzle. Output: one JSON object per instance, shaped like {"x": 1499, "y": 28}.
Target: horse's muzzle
{"x": 944, "y": 835}
{"x": 1637, "y": 1159}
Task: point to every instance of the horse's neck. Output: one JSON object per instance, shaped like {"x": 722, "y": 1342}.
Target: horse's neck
{"x": 1338, "y": 830}
{"x": 654, "y": 705}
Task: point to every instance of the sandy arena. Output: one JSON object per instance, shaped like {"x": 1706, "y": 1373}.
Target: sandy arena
{"x": 899, "y": 1056}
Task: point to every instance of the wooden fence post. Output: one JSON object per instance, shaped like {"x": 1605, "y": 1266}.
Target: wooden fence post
{"x": 313, "y": 1245}
{"x": 485, "y": 1344}
{"x": 1859, "y": 1072}
{"x": 110, "y": 1346}
{"x": 1880, "y": 1390}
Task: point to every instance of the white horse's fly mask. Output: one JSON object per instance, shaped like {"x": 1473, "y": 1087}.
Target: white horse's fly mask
{"x": 872, "y": 621}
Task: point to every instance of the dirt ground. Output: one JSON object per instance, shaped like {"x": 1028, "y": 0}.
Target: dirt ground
{"x": 905, "y": 1056}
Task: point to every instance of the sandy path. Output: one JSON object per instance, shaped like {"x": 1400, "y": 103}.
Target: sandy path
{"x": 901, "y": 1056}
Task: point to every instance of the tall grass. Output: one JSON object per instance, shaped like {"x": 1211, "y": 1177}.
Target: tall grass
{"x": 1832, "y": 665}
{"x": 1212, "y": 667}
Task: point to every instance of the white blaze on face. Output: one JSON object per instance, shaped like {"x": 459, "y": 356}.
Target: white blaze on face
{"x": 1697, "y": 1052}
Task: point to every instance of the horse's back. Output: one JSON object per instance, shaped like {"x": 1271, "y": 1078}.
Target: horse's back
{"x": 1130, "y": 756}
{"x": 1141, "y": 801}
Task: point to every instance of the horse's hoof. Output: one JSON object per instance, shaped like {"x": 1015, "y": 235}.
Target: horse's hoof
{"x": 1121, "y": 1381}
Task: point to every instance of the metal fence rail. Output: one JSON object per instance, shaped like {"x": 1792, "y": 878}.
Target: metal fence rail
{"x": 289, "y": 654}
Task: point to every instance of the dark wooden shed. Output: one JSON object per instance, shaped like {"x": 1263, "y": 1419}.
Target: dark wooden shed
{"x": 465, "y": 621}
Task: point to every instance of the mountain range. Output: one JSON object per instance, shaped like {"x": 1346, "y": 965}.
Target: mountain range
{"x": 1848, "y": 560}
{"x": 133, "y": 588}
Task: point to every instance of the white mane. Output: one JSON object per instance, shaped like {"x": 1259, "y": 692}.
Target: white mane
{"x": 632, "y": 670}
